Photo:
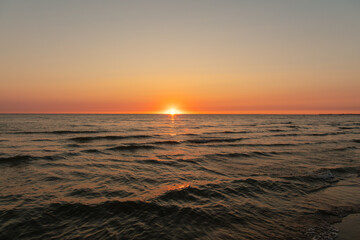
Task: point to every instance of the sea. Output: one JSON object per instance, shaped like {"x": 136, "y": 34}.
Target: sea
{"x": 125, "y": 176}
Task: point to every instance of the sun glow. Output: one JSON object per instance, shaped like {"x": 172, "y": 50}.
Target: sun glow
{"x": 172, "y": 111}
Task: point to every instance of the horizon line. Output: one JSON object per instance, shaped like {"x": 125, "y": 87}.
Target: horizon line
{"x": 110, "y": 113}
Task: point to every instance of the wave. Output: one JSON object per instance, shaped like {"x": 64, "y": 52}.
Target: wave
{"x": 73, "y": 145}
{"x": 186, "y": 192}
{"x": 92, "y": 151}
{"x": 42, "y": 140}
{"x": 132, "y": 147}
{"x": 231, "y": 155}
{"x": 341, "y": 149}
{"x": 324, "y": 134}
{"x": 253, "y": 187}
{"x": 18, "y": 159}
{"x": 325, "y": 174}
{"x": 94, "y": 220}
{"x": 248, "y": 155}
{"x": 92, "y": 193}
{"x": 137, "y": 129}
{"x": 213, "y": 140}
{"x": 228, "y": 132}
{"x": 318, "y": 175}
{"x": 235, "y": 132}
{"x": 277, "y": 130}
{"x": 59, "y": 156}
{"x": 246, "y": 125}
{"x": 193, "y": 161}
{"x": 170, "y": 142}
{"x": 261, "y": 145}
{"x": 244, "y": 187}
{"x": 158, "y": 162}
{"x": 177, "y": 209}
{"x": 340, "y": 170}
{"x": 54, "y": 179}
{"x": 59, "y": 132}
{"x": 306, "y": 134}
{"x": 349, "y": 128}
{"x": 285, "y": 135}
{"x": 110, "y": 137}
{"x": 250, "y": 187}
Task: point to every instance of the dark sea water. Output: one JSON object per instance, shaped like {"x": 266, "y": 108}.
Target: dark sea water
{"x": 186, "y": 177}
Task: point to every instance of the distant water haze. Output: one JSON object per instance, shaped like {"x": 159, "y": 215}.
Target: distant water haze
{"x": 177, "y": 176}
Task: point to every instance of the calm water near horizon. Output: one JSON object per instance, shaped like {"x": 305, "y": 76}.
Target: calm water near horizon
{"x": 181, "y": 177}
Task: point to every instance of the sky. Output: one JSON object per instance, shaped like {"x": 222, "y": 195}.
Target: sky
{"x": 199, "y": 56}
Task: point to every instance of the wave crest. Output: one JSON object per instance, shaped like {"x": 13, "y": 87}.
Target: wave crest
{"x": 110, "y": 137}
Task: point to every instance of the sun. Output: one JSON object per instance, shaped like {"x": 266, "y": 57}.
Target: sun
{"x": 172, "y": 111}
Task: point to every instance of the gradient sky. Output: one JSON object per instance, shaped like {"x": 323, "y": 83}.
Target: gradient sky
{"x": 225, "y": 56}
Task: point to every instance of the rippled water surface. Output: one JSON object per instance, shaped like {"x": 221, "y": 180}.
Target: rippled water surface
{"x": 182, "y": 177}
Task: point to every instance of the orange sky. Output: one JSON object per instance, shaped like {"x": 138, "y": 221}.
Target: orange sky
{"x": 201, "y": 57}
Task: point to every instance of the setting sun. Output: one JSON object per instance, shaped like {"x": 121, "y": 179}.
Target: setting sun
{"x": 172, "y": 111}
